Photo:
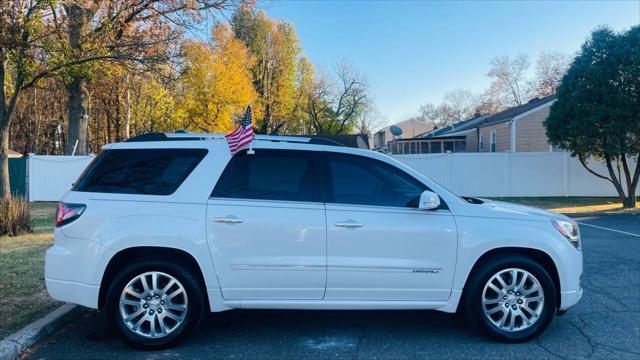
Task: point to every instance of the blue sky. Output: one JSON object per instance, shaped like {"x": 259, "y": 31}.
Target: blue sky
{"x": 413, "y": 52}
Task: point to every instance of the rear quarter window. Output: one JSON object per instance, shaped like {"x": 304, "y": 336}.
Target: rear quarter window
{"x": 139, "y": 171}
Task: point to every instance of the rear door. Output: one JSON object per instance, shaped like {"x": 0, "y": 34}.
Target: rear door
{"x": 380, "y": 246}
{"x": 266, "y": 226}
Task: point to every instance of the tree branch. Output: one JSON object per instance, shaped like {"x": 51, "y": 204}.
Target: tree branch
{"x": 584, "y": 164}
{"x": 52, "y": 70}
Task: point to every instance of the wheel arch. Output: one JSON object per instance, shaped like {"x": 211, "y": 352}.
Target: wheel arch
{"x": 537, "y": 255}
{"x": 123, "y": 256}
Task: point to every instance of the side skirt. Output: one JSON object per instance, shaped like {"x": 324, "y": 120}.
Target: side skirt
{"x": 449, "y": 306}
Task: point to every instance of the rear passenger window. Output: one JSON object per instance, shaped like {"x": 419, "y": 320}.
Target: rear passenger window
{"x": 139, "y": 171}
{"x": 269, "y": 175}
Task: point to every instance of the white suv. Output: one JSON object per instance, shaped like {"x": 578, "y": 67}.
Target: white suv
{"x": 158, "y": 231}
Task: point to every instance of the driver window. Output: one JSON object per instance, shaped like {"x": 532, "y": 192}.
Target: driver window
{"x": 362, "y": 181}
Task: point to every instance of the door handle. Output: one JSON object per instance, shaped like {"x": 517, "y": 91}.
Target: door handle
{"x": 348, "y": 224}
{"x": 227, "y": 220}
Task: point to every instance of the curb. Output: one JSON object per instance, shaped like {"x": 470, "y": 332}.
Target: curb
{"x": 14, "y": 344}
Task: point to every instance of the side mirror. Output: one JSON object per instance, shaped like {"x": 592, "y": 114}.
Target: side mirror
{"x": 429, "y": 200}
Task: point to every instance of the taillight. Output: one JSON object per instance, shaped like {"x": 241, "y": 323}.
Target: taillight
{"x": 68, "y": 213}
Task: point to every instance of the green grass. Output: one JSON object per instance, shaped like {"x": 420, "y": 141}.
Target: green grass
{"x": 42, "y": 215}
{"x": 23, "y": 297}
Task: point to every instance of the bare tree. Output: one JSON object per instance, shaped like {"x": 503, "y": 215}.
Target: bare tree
{"x": 427, "y": 113}
{"x": 457, "y": 105}
{"x": 486, "y": 103}
{"x": 334, "y": 105}
{"x": 369, "y": 119}
{"x": 550, "y": 68}
{"x": 509, "y": 79}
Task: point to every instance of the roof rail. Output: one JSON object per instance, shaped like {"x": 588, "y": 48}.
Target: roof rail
{"x": 220, "y": 136}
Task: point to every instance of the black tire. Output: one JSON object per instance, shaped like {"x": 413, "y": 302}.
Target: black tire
{"x": 472, "y": 297}
{"x": 191, "y": 285}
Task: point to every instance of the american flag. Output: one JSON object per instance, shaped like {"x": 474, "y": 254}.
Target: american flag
{"x": 242, "y": 135}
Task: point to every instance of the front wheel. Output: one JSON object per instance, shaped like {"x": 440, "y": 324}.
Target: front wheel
{"x": 154, "y": 304}
{"x": 510, "y": 299}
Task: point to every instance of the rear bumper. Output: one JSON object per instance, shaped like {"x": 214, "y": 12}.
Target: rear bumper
{"x": 73, "y": 292}
{"x": 73, "y": 269}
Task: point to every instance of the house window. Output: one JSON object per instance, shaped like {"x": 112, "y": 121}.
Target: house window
{"x": 448, "y": 146}
{"x": 480, "y": 144}
{"x": 424, "y": 147}
{"x": 492, "y": 136}
{"x": 436, "y": 147}
{"x": 460, "y": 146}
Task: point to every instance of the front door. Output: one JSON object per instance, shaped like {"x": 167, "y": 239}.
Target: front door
{"x": 380, "y": 246}
{"x": 266, "y": 227}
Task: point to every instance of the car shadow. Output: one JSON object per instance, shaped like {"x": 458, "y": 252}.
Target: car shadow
{"x": 308, "y": 330}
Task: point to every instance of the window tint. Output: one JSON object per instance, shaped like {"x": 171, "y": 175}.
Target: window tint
{"x": 362, "y": 181}
{"x": 139, "y": 171}
{"x": 269, "y": 175}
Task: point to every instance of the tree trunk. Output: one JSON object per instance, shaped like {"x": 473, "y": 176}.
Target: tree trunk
{"x": 32, "y": 145}
{"x": 76, "y": 88}
{"x": 127, "y": 116}
{"x": 616, "y": 182}
{"x": 5, "y": 190}
{"x": 630, "y": 201}
{"x": 632, "y": 182}
{"x": 78, "y": 117}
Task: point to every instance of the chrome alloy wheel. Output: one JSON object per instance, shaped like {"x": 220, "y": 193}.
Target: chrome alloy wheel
{"x": 513, "y": 300}
{"x": 153, "y": 304}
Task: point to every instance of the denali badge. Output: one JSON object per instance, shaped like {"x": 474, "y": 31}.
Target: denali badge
{"x": 426, "y": 271}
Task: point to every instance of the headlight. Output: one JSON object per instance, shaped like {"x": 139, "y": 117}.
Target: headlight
{"x": 569, "y": 230}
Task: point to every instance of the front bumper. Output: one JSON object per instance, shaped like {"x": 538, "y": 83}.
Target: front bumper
{"x": 569, "y": 298}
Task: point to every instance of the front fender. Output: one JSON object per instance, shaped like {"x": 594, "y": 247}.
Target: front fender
{"x": 477, "y": 236}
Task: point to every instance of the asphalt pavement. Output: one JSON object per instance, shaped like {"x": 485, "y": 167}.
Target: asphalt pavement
{"x": 604, "y": 325}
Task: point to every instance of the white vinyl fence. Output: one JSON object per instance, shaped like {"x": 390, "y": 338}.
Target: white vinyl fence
{"x": 513, "y": 174}
{"x": 471, "y": 174}
{"x": 49, "y": 176}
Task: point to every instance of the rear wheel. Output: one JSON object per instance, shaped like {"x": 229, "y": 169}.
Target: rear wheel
{"x": 154, "y": 303}
{"x": 510, "y": 299}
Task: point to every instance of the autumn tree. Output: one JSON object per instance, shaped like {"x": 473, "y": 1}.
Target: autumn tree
{"x": 40, "y": 39}
{"x": 20, "y": 21}
{"x": 276, "y": 50}
{"x": 216, "y": 84}
{"x": 597, "y": 114}
{"x": 140, "y": 32}
{"x": 153, "y": 102}
{"x": 299, "y": 122}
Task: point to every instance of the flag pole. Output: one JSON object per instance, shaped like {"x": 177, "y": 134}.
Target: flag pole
{"x": 250, "y": 151}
